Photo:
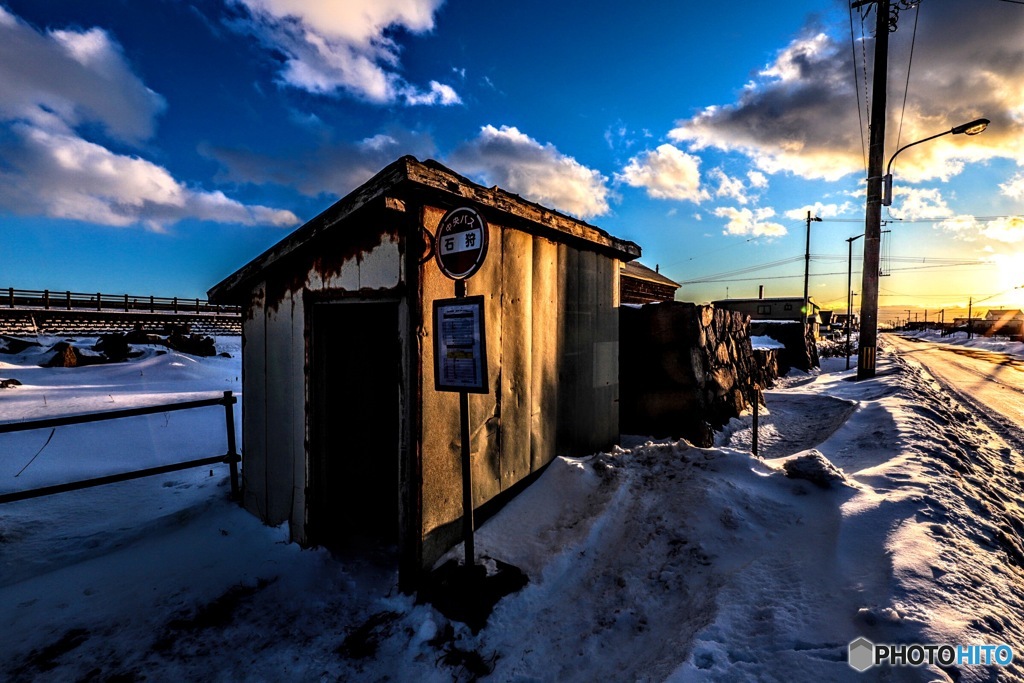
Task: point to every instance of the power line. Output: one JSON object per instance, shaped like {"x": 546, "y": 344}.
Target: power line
{"x": 910, "y": 64}
{"x": 856, "y": 83}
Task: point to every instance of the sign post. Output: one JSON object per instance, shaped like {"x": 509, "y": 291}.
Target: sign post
{"x": 460, "y": 344}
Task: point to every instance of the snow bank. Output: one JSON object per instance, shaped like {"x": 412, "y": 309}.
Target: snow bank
{"x": 655, "y": 562}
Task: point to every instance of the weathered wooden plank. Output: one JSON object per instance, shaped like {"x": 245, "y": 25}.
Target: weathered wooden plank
{"x": 606, "y": 356}
{"x": 544, "y": 353}
{"x": 281, "y": 385}
{"x": 587, "y": 397}
{"x": 254, "y": 408}
{"x": 569, "y": 370}
{"x": 485, "y": 409}
{"x": 516, "y": 352}
{"x": 297, "y": 363}
{"x": 439, "y": 436}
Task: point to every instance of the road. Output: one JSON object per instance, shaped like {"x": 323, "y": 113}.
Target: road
{"x": 993, "y": 383}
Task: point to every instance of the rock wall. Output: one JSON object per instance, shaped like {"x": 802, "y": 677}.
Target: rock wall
{"x": 684, "y": 370}
{"x": 801, "y": 348}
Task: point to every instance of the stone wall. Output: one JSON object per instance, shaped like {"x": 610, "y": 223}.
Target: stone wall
{"x": 801, "y": 350}
{"x": 685, "y": 370}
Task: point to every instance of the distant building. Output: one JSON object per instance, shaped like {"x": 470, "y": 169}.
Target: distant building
{"x": 1001, "y": 321}
{"x": 638, "y": 284}
{"x": 774, "y": 308}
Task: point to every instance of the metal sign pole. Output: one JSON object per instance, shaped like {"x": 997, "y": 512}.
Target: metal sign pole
{"x": 467, "y": 469}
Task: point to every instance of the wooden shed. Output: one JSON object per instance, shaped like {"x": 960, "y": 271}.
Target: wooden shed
{"x": 344, "y": 434}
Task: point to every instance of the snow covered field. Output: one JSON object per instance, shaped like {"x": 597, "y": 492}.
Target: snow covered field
{"x": 655, "y": 562}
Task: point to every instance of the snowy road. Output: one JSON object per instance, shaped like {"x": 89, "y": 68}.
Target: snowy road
{"x": 991, "y": 382}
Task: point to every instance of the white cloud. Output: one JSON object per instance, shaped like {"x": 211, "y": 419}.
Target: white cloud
{"x": 63, "y": 176}
{"x": 910, "y": 203}
{"x": 1007, "y": 229}
{"x": 55, "y": 83}
{"x": 997, "y": 232}
{"x": 1014, "y": 187}
{"x": 518, "y": 163}
{"x": 730, "y": 187}
{"x": 819, "y": 209}
{"x": 962, "y": 227}
{"x": 62, "y": 79}
{"x": 331, "y": 46}
{"x": 747, "y": 222}
{"x": 757, "y": 179}
{"x": 666, "y": 173}
{"x": 800, "y": 113}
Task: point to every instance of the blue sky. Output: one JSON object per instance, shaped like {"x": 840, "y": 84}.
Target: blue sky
{"x": 155, "y": 147}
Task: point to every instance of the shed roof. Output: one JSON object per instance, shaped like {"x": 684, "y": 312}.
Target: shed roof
{"x": 639, "y": 271}
{"x": 408, "y": 178}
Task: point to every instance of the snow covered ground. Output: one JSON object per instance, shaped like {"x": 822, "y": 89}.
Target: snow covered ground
{"x": 655, "y": 562}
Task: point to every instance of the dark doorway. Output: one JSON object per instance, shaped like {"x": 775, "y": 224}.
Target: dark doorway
{"x": 355, "y": 380}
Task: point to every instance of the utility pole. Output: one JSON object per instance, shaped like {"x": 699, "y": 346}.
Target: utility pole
{"x": 970, "y": 321}
{"x": 807, "y": 266}
{"x": 873, "y": 210}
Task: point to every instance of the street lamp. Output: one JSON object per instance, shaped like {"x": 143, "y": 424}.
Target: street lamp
{"x": 873, "y": 209}
{"x": 971, "y": 128}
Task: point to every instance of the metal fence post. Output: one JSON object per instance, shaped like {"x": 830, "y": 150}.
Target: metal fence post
{"x": 754, "y": 427}
{"x": 232, "y": 454}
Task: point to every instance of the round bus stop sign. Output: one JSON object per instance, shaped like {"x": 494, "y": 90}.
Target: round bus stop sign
{"x": 461, "y": 243}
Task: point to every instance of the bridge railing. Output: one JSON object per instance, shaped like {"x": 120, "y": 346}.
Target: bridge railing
{"x": 67, "y": 300}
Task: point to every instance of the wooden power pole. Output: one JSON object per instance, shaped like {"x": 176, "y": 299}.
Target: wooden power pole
{"x": 873, "y": 210}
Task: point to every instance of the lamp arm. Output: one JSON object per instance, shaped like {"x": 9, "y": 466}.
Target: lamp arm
{"x": 888, "y": 167}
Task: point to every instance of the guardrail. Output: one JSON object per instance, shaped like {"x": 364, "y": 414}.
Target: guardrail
{"x": 231, "y": 458}
{"x": 67, "y": 300}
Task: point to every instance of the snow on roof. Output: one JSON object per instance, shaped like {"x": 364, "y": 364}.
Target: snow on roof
{"x": 765, "y": 343}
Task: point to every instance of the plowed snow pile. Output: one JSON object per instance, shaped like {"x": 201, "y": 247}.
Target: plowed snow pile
{"x": 654, "y": 562}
